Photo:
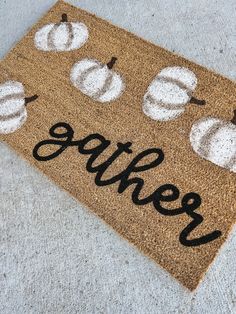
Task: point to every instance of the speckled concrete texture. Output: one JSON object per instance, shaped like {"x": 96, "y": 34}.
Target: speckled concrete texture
{"x": 58, "y": 257}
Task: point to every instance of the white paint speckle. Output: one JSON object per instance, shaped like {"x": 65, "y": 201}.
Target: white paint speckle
{"x": 184, "y": 75}
{"x": 66, "y": 36}
{"x": 96, "y": 80}
{"x": 168, "y": 93}
{"x": 13, "y": 113}
{"x": 217, "y": 146}
{"x": 159, "y": 113}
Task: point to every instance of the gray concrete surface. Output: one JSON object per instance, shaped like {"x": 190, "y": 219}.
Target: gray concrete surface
{"x": 55, "y": 255}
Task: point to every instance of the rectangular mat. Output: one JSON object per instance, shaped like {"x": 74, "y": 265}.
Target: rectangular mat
{"x": 144, "y": 138}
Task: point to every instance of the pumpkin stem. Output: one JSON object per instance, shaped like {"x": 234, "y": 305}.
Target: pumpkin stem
{"x": 234, "y": 118}
{"x": 196, "y": 101}
{"x": 30, "y": 99}
{"x": 111, "y": 63}
{"x": 64, "y": 17}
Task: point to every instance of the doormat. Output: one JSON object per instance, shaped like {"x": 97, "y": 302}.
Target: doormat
{"x": 144, "y": 138}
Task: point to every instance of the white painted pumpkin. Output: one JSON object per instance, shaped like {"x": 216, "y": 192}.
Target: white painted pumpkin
{"x": 13, "y": 112}
{"x": 215, "y": 140}
{"x": 169, "y": 92}
{"x": 97, "y": 80}
{"x": 63, "y": 36}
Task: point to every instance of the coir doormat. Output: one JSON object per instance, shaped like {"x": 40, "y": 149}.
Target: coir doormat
{"x": 143, "y": 137}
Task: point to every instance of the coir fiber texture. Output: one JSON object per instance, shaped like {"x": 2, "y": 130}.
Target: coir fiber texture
{"x": 141, "y": 136}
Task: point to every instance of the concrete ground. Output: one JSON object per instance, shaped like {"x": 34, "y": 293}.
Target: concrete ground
{"x": 58, "y": 257}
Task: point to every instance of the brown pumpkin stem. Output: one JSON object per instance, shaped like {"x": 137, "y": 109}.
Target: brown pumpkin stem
{"x": 64, "y": 18}
{"x": 111, "y": 63}
{"x": 30, "y": 99}
{"x": 234, "y": 118}
{"x": 196, "y": 101}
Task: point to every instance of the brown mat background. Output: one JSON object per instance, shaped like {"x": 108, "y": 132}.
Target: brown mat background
{"x": 48, "y": 76}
